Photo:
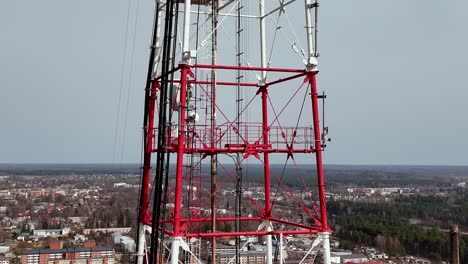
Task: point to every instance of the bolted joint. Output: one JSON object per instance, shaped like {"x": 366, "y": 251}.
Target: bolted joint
{"x": 262, "y": 89}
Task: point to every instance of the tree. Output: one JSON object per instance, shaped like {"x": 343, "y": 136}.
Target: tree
{"x": 380, "y": 242}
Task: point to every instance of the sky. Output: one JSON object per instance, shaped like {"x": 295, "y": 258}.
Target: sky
{"x": 394, "y": 73}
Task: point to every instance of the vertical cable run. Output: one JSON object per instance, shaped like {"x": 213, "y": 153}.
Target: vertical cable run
{"x": 148, "y": 137}
{"x": 156, "y": 245}
{"x": 169, "y": 124}
{"x": 214, "y": 158}
{"x": 239, "y": 99}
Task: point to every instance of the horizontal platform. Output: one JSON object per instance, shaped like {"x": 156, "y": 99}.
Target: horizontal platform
{"x": 242, "y": 150}
{"x": 245, "y": 138}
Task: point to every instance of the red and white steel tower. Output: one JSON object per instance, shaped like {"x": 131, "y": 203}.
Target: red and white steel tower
{"x": 209, "y": 110}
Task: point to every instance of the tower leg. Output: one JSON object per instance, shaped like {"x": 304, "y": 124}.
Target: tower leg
{"x": 269, "y": 244}
{"x": 321, "y": 239}
{"x": 175, "y": 246}
{"x": 318, "y": 153}
{"x": 281, "y": 249}
{"x": 141, "y": 243}
{"x": 266, "y": 225}
{"x": 325, "y": 237}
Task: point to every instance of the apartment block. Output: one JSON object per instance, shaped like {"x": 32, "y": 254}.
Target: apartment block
{"x": 56, "y": 254}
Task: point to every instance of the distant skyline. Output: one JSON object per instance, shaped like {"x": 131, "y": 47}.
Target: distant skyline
{"x": 394, "y": 73}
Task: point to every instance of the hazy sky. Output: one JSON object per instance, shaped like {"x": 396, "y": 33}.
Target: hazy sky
{"x": 394, "y": 71}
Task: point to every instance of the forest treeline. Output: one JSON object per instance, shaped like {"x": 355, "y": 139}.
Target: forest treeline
{"x": 403, "y": 226}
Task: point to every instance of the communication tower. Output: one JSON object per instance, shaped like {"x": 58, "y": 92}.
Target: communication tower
{"x": 229, "y": 83}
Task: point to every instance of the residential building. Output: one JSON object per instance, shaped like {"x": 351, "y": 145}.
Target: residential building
{"x": 336, "y": 255}
{"x": 56, "y": 254}
{"x": 245, "y": 258}
{"x": 51, "y": 232}
{"x": 122, "y": 230}
{"x": 353, "y": 258}
{"x": 4, "y": 260}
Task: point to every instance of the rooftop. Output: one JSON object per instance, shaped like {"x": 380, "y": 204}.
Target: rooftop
{"x": 64, "y": 250}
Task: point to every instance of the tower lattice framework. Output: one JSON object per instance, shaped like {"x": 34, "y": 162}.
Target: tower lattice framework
{"x": 210, "y": 110}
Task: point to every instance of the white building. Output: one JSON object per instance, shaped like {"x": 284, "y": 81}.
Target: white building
{"x": 337, "y": 255}
{"x": 122, "y": 230}
{"x": 250, "y": 239}
{"x": 127, "y": 244}
{"x": 80, "y": 238}
{"x": 353, "y": 258}
{"x": 121, "y": 185}
{"x": 335, "y": 259}
{"x": 116, "y": 237}
{"x": 51, "y": 232}
{"x": 4, "y": 249}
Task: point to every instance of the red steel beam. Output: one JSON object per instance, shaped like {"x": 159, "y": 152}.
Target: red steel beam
{"x": 318, "y": 152}
{"x": 180, "y": 150}
{"x": 287, "y": 78}
{"x": 266, "y": 155}
{"x": 219, "y": 219}
{"x": 227, "y": 83}
{"x": 254, "y": 233}
{"x": 292, "y": 223}
{"x": 245, "y": 219}
{"x": 168, "y": 73}
{"x": 237, "y": 150}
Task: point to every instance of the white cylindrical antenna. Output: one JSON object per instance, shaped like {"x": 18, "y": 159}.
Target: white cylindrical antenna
{"x": 186, "y": 38}
{"x": 263, "y": 56}
{"x": 311, "y": 59}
